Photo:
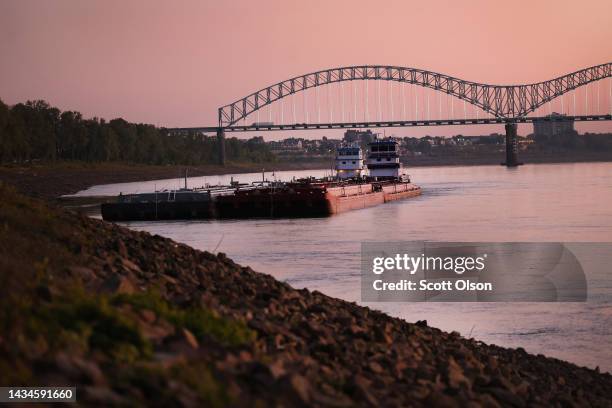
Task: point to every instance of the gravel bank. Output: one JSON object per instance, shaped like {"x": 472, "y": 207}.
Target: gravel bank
{"x": 132, "y": 318}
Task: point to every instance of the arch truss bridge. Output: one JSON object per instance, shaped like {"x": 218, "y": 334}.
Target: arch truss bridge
{"x": 501, "y": 101}
{"x": 504, "y": 104}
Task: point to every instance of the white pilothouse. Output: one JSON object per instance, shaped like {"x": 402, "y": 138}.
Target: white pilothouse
{"x": 349, "y": 162}
{"x": 383, "y": 159}
{"x": 382, "y": 163}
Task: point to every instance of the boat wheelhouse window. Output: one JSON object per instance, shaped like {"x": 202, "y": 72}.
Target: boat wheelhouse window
{"x": 348, "y": 152}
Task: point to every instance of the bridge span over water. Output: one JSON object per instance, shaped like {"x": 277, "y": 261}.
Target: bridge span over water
{"x": 349, "y": 105}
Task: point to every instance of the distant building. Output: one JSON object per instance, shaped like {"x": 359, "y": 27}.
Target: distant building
{"x": 462, "y": 140}
{"x": 361, "y": 137}
{"x": 291, "y": 145}
{"x": 257, "y": 139}
{"x": 493, "y": 138}
{"x": 554, "y": 131}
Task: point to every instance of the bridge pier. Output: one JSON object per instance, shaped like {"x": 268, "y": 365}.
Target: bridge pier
{"x": 511, "y": 146}
{"x": 221, "y": 145}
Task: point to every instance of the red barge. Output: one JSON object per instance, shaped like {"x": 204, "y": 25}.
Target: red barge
{"x": 350, "y": 189}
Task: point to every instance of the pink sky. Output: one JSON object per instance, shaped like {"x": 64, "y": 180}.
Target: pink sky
{"x": 175, "y": 63}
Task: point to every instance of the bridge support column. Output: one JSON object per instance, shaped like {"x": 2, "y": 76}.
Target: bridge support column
{"x": 511, "y": 146}
{"x": 221, "y": 145}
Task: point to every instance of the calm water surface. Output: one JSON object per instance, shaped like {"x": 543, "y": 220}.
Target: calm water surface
{"x": 546, "y": 202}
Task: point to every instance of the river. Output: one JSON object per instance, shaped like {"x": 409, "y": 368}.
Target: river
{"x": 543, "y": 202}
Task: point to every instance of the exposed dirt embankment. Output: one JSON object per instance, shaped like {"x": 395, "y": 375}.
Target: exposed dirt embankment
{"x": 51, "y": 180}
{"x": 132, "y": 318}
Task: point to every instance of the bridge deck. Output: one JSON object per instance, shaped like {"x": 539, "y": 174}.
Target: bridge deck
{"x": 402, "y": 123}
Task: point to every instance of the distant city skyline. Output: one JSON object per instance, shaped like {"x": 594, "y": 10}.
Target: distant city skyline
{"x": 169, "y": 65}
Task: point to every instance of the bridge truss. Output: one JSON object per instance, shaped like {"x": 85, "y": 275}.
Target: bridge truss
{"x": 507, "y": 102}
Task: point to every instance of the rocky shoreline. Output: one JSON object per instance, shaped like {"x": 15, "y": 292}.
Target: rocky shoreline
{"x": 136, "y": 319}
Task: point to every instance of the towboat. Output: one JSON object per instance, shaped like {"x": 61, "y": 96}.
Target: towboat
{"x": 358, "y": 183}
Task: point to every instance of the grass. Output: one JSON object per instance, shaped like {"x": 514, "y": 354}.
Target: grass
{"x": 203, "y": 323}
{"x": 95, "y": 323}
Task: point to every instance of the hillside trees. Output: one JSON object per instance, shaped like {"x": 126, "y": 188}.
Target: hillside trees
{"x": 37, "y": 131}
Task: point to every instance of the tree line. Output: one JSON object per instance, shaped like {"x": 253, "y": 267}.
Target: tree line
{"x": 37, "y": 131}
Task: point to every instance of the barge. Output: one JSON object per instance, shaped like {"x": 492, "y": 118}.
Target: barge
{"x": 358, "y": 183}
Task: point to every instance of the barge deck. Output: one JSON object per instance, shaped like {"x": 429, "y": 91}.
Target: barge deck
{"x": 350, "y": 189}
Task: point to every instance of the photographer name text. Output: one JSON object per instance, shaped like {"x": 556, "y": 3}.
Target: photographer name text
{"x": 411, "y": 265}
